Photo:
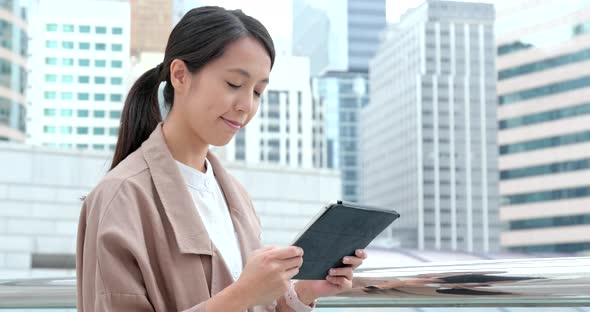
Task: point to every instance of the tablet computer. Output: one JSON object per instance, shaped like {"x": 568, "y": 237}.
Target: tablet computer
{"x": 338, "y": 230}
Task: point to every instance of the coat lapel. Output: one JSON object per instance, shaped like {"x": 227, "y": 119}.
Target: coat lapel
{"x": 188, "y": 228}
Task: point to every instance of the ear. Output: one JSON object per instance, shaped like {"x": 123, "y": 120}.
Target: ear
{"x": 179, "y": 76}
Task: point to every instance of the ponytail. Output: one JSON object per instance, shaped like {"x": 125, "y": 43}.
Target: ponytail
{"x": 140, "y": 116}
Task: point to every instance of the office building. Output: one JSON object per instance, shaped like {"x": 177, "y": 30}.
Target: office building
{"x": 342, "y": 95}
{"x": 13, "y": 76}
{"x": 544, "y": 125}
{"x": 428, "y": 135}
{"x": 79, "y": 72}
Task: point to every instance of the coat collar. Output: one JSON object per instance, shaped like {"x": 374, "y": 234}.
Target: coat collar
{"x": 189, "y": 231}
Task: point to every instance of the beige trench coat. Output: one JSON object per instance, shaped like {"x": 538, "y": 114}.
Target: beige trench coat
{"x": 141, "y": 243}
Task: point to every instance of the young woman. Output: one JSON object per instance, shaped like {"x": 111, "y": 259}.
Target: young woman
{"x": 168, "y": 229}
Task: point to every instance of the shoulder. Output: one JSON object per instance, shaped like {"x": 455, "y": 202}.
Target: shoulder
{"x": 126, "y": 184}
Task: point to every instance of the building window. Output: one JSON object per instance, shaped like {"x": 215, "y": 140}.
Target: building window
{"x": 83, "y": 62}
{"x": 113, "y": 131}
{"x": 50, "y": 95}
{"x": 66, "y": 112}
{"x": 82, "y": 130}
{"x": 50, "y": 78}
{"x": 99, "y": 80}
{"x": 51, "y": 61}
{"x": 51, "y": 44}
{"x": 101, "y": 30}
{"x": 117, "y": 31}
{"x": 84, "y": 29}
{"x": 83, "y": 96}
{"x": 99, "y": 97}
{"x": 98, "y": 131}
{"x": 68, "y": 28}
{"x": 68, "y": 62}
{"x": 117, "y": 47}
{"x": 99, "y": 114}
{"x": 115, "y": 114}
{"x": 49, "y": 112}
{"x": 67, "y": 79}
{"x": 48, "y": 129}
{"x": 116, "y": 81}
{"x": 98, "y": 147}
{"x": 83, "y": 113}
{"x": 531, "y": 145}
{"x": 67, "y": 96}
{"x": 51, "y": 27}
{"x": 116, "y": 97}
{"x": 100, "y": 63}
{"x": 67, "y": 45}
{"x": 116, "y": 64}
{"x": 65, "y": 130}
{"x": 82, "y": 146}
{"x": 100, "y": 46}
{"x": 83, "y": 79}
{"x": 84, "y": 45}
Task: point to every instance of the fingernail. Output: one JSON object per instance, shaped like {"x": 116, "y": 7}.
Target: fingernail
{"x": 332, "y": 271}
{"x": 346, "y": 260}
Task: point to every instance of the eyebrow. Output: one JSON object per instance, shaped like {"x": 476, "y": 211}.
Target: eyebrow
{"x": 245, "y": 73}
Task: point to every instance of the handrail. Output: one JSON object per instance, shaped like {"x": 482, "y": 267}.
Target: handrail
{"x": 563, "y": 282}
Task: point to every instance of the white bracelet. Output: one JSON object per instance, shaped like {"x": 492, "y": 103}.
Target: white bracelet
{"x": 294, "y": 302}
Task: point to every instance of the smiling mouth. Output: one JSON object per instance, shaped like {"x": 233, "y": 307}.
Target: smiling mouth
{"x": 232, "y": 124}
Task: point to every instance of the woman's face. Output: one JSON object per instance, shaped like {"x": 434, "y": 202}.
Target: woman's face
{"x": 224, "y": 95}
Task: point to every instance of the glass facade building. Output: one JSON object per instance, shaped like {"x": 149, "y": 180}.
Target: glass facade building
{"x": 543, "y": 52}
{"x": 13, "y": 72}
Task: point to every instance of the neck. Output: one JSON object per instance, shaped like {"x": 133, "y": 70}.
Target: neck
{"x": 184, "y": 146}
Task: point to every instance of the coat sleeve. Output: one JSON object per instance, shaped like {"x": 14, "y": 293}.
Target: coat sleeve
{"x": 108, "y": 275}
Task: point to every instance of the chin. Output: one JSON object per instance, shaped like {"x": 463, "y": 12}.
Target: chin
{"x": 221, "y": 140}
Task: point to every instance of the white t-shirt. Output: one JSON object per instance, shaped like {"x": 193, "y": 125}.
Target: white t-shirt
{"x": 214, "y": 212}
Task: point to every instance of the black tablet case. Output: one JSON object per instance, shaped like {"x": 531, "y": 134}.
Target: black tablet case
{"x": 342, "y": 229}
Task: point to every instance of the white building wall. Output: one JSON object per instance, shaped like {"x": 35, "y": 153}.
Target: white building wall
{"x": 40, "y": 190}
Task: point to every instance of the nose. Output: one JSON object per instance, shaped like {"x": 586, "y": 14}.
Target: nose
{"x": 246, "y": 102}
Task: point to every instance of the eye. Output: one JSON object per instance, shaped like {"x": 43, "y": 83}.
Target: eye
{"x": 256, "y": 93}
{"x": 233, "y": 86}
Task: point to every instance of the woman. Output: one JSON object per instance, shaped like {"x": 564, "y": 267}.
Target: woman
{"x": 168, "y": 229}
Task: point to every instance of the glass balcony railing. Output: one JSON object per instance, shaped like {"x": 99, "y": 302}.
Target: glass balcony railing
{"x": 547, "y": 282}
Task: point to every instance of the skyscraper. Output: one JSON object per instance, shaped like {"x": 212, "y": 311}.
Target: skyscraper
{"x": 428, "y": 135}
{"x": 79, "y": 70}
{"x": 13, "y": 77}
{"x": 366, "y": 21}
{"x": 342, "y": 95}
{"x": 323, "y": 30}
{"x": 544, "y": 125}
{"x": 339, "y": 37}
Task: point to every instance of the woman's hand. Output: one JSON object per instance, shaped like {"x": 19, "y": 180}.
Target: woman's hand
{"x": 339, "y": 280}
{"x": 267, "y": 274}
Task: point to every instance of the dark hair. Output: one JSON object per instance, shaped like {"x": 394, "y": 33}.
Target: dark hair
{"x": 199, "y": 38}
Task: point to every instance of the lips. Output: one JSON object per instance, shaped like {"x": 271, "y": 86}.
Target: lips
{"x": 232, "y": 124}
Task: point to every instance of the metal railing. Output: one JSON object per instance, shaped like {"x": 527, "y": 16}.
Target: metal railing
{"x": 547, "y": 282}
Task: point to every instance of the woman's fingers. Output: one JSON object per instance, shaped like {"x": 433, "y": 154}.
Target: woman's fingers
{"x": 338, "y": 280}
{"x": 343, "y": 272}
{"x": 353, "y": 262}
